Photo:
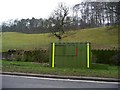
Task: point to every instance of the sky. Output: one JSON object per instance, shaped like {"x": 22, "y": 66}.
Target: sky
{"x": 18, "y": 9}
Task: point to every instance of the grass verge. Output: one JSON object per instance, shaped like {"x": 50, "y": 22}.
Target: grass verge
{"x": 42, "y": 68}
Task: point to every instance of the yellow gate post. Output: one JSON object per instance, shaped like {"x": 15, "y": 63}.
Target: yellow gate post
{"x": 53, "y": 54}
{"x": 88, "y": 58}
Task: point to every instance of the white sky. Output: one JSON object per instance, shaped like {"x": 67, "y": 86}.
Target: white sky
{"x": 13, "y": 9}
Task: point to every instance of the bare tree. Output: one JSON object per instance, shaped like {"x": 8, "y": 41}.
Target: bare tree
{"x": 58, "y": 19}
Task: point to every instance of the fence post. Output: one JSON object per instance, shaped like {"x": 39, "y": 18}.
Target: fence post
{"x": 88, "y": 58}
{"x": 53, "y": 54}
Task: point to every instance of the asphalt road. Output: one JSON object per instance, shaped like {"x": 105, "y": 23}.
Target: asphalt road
{"x": 11, "y": 81}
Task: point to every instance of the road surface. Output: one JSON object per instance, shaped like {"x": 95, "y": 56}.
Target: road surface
{"x": 11, "y": 81}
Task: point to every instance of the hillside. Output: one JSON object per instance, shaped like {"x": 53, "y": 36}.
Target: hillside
{"x": 103, "y": 37}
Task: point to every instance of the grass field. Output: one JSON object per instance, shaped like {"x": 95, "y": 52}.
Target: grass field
{"x": 41, "y": 68}
{"x": 103, "y": 37}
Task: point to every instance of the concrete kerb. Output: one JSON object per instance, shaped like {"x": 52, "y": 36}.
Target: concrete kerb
{"x": 62, "y": 77}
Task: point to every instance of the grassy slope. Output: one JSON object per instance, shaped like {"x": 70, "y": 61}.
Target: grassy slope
{"x": 15, "y": 40}
{"x": 99, "y": 37}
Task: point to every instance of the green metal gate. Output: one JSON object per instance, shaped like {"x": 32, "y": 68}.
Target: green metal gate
{"x": 74, "y": 55}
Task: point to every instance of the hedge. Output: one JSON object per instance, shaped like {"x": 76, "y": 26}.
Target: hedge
{"x": 30, "y": 56}
{"x": 106, "y": 56}
{"x": 101, "y": 56}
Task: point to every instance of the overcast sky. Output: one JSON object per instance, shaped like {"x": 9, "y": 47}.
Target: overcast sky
{"x": 13, "y": 9}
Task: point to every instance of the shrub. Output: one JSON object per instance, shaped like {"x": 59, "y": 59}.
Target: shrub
{"x": 115, "y": 59}
{"x": 31, "y": 56}
{"x": 105, "y": 57}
